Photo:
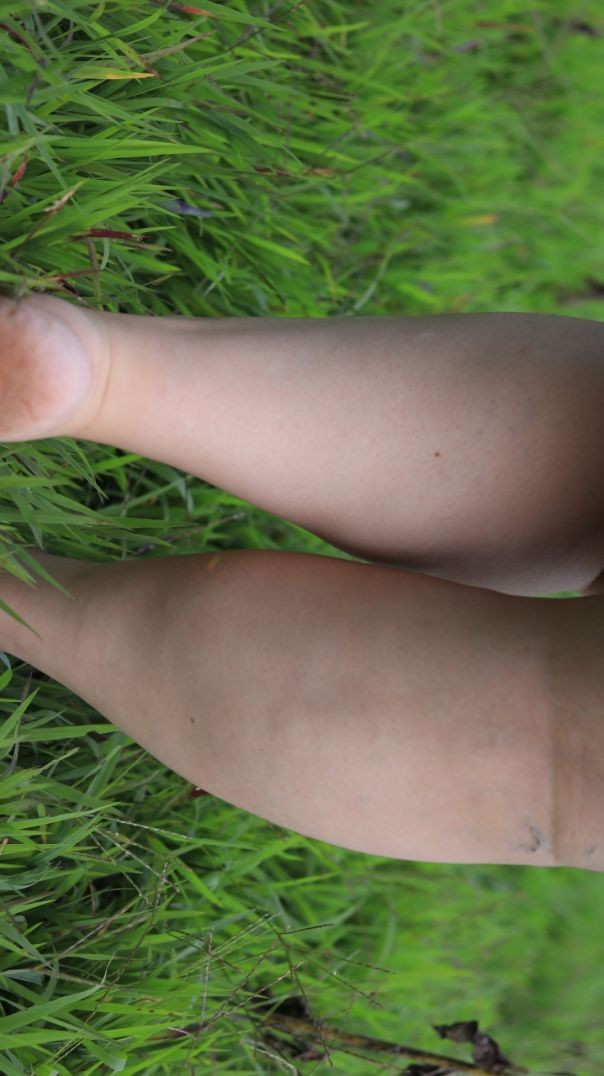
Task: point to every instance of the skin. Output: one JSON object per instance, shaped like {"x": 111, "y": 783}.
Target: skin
{"x": 378, "y": 710}
{"x": 597, "y": 587}
{"x": 475, "y": 441}
{"x": 577, "y": 691}
{"x": 372, "y": 706}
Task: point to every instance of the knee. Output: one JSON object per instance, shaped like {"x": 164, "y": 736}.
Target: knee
{"x": 597, "y": 587}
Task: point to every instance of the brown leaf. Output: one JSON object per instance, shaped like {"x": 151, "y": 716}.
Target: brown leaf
{"x": 192, "y": 10}
{"x": 487, "y": 1054}
{"x": 463, "y": 1031}
{"x": 20, "y": 172}
{"x": 108, "y": 233}
{"x": 271, "y": 171}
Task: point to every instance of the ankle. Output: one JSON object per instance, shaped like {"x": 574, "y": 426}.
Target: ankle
{"x": 91, "y": 328}
{"x": 49, "y": 612}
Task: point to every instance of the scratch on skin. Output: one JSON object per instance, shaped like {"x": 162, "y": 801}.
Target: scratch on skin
{"x": 212, "y": 564}
{"x": 537, "y": 840}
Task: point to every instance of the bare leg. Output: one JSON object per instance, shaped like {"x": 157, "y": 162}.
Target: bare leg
{"x": 379, "y": 710}
{"x": 597, "y": 587}
{"x": 469, "y": 447}
{"x": 578, "y": 693}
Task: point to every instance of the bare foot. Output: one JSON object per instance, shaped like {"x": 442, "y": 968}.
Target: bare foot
{"x": 54, "y": 366}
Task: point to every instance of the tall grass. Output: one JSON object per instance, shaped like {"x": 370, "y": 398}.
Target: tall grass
{"x": 299, "y": 159}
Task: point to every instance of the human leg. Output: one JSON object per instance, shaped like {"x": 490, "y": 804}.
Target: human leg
{"x": 577, "y": 691}
{"x": 379, "y": 710}
{"x": 467, "y": 447}
{"x": 597, "y": 587}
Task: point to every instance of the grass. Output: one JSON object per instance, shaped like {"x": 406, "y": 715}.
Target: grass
{"x": 300, "y": 159}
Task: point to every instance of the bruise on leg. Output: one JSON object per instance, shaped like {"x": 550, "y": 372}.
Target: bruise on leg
{"x": 24, "y": 393}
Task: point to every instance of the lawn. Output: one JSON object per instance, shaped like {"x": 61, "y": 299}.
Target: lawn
{"x": 254, "y": 159}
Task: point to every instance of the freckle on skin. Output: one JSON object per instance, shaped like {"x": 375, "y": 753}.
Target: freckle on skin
{"x": 437, "y": 453}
